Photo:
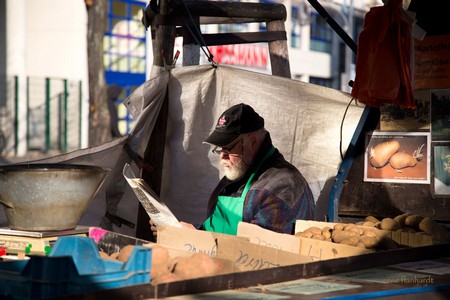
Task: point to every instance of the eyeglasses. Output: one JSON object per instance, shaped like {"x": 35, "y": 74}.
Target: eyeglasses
{"x": 225, "y": 150}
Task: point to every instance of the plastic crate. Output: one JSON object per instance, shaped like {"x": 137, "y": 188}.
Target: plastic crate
{"x": 74, "y": 266}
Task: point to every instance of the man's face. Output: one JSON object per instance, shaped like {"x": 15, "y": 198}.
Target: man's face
{"x": 232, "y": 160}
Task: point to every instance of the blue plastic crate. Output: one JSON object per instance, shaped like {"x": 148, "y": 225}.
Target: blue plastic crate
{"x": 73, "y": 266}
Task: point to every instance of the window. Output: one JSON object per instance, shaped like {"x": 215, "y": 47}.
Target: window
{"x": 320, "y": 34}
{"x": 124, "y": 57}
{"x": 320, "y": 81}
{"x": 295, "y": 28}
{"x": 124, "y": 40}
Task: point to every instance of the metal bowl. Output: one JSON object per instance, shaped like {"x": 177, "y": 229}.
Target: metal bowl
{"x": 48, "y": 197}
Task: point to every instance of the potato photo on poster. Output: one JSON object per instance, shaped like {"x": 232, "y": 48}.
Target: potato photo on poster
{"x": 401, "y": 157}
{"x": 441, "y": 169}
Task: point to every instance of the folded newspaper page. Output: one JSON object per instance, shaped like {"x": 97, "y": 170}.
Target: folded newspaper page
{"x": 156, "y": 210}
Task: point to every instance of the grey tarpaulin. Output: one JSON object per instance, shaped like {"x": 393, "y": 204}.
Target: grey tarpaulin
{"x": 304, "y": 121}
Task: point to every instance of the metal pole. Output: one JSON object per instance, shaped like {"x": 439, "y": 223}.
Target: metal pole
{"x": 66, "y": 94}
{"x": 80, "y": 110}
{"x": 16, "y": 114}
{"x": 338, "y": 29}
{"x": 28, "y": 112}
{"x": 47, "y": 114}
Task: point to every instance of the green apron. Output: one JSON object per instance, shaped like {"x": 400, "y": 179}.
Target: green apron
{"x": 229, "y": 210}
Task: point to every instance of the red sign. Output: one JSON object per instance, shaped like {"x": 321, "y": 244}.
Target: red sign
{"x": 244, "y": 55}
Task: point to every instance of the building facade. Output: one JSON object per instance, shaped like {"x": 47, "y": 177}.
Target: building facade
{"x": 44, "y": 101}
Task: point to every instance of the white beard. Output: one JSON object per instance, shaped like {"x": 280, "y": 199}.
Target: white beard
{"x": 233, "y": 172}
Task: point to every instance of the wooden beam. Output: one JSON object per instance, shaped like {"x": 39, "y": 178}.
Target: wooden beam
{"x": 267, "y": 11}
{"x": 216, "y": 39}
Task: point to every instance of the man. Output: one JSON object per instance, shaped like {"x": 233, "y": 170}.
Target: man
{"x": 259, "y": 185}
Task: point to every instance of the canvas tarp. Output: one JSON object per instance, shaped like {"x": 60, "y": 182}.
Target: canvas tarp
{"x": 304, "y": 121}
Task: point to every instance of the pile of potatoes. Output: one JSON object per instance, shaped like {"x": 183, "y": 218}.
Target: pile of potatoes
{"x": 167, "y": 269}
{"x": 411, "y": 223}
{"x": 352, "y": 235}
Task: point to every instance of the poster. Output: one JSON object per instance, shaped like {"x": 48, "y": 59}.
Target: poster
{"x": 440, "y": 115}
{"x": 441, "y": 169}
{"x": 398, "y": 118}
{"x": 402, "y": 157}
{"x": 432, "y": 62}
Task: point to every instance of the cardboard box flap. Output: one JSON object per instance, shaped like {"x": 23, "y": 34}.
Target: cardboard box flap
{"x": 314, "y": 249}
{"x": 249, "y": 256}
{"x": 268, "y": 238}
{"x": 192, "y": 240}
{"x": 245, "y": 255}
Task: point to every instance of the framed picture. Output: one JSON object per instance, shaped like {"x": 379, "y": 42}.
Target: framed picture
{"x": 402, "y": 157}
{"x": 441, "y": 169}
{"x": 440, "y": 115}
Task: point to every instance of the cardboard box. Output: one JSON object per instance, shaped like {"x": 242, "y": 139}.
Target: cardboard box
{"x": 314, "y": 249}
{"x": 245, "y": 255}
{"x": 403, "y": 239}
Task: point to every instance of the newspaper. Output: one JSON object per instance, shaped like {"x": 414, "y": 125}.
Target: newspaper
{"x": 156, "y": 210}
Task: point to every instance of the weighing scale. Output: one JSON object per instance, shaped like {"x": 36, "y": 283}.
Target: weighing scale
{"x": 34, "y": 242}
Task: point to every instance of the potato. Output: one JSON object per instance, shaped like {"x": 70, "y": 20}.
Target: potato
{"x": 371, "y": 233}
{"x": 338, "y": 235}
{"x": 371, "y": 219}
{"x": 413, "y": 221}
{"x": 349, "y": 226}
{"x": 401, "y": 218}
{"x": 125, "y": 253}
{"x": 159, "y": 270}
{"x": 389, "y": 224}
{"x": 318, "y": 237}
{"x": 326, "y": 232}
{"x": 160, "y": 255}
{"x": 314, "y": 230}
{"x": 197, "y": 265}
{"x": 428, "y": 225}
{"x": 356, "y": 229}
{"x": 103, "y": 254}
{"x": 360, "y": 245}
{"x": 305, "y": 234}
{"x": 401, "y": 160}
{"x": 438, "y": 231}
{"x": 381, "y": 153}
{"x": 370, "y": 242}
{"x": 351, "y": 241}
{"x": 114, "y": 255}
{"x": 368, "y": 224}
{"x": 339, "y": 226}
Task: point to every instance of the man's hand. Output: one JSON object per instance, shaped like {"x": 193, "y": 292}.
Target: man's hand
{"x": 155, "y": 230}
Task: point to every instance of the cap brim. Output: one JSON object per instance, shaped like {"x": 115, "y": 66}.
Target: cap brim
{"x": 220, "y": 139}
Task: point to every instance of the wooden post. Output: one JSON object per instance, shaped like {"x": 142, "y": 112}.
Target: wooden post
{"x": 163, "y": 45}
{"x": 278, "y": 51}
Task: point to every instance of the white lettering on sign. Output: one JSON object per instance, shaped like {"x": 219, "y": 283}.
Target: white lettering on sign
{"x": 244, "y": 55}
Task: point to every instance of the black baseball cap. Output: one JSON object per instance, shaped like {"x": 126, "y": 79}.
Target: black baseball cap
{"x": 236, "y": 120}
